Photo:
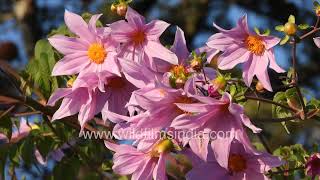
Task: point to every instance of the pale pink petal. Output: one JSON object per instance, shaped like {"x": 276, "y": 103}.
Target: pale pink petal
{"x": 273, "y": 64}
{"x": 155, "y": 28}
{"x": 67, "y": 45}
{"x": 233, "y": 56}
{"x": 317, "y": 41}
{"x": 134, "y": 18}
{"x": 200, "y": 146}
{"x": 135, "y": 73}
{"x": 71, "y": 64}
{"x": 144, "y": 172}
{"x": 159, "y": 172}
{"x": 121, "y": 31}
{"x": 220, "y": 42}
{"x": 77, "y": 25}
{"x": 194, "y": 108}
{"x": 180, "y": 46}
{"x": 261, "y": 71}
{"x": 93, "y": 22}
{"x": 111, "y": 65}
{"x": 270, "y": 41}
{"x": 248, "y": 70}
{"x": 155, "y": 49}
{"x": 221, "y": 148}
{"x": 246, "y": 121}
{"x": 58, "y": 94}
{"x": 67, "y": 108}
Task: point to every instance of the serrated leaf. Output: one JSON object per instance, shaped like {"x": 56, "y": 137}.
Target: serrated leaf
{"x": 284, "y": 40}
{"x": 292, "y": 19}
{"x": 6, "y": 126}
{"x": 303, "y": 26}
{"x": 279, "y": 28}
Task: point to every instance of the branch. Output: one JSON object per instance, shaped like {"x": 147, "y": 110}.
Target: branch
{"x": 270, "y": 102}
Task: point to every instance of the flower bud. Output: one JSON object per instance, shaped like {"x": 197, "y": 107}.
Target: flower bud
{"x": 179, "y": 83}
{"x": 196, "y": 64}
{"x": 113, "y": 8}
{"x": 290, "y": 28}
{"x": 317, "y": 10}
{"x": 122, "y": 9}
{"x": 70, "y": 82}
{"x": 164, "y": 146}
{"x": 259, "y": 87}
{"x": 219, "y": 82}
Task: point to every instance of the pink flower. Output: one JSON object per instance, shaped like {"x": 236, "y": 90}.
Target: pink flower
{"x": 142, "y": 165}
{"x": 91, "y": 51}
{"x": 86, "y": 98}
{"x": 242, "y": 164}
{"x": 213, "y": 115}
{"x": 141, "y": 40}
{"x": 22, "y": 132}
{"x": 239, "y": 45}
{"x": 313, "y": 165}
{"x": 160, "y": 104}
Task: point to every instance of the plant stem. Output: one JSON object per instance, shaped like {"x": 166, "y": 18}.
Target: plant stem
{"x": 270, "y": 102}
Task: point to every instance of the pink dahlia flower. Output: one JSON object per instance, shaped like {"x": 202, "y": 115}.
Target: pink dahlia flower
{"x": 91, "y": 51}
{"x": 86, "y": 98}
{"x": 160, "y": 104}
{"x": 242, "y": 164}
{"x": 240, "y": 45}
{"x": 313, "y": 165}
{"x": 213, "y": 115}
{"x": 143, "y": 165}
{"x": 141, "y": 40}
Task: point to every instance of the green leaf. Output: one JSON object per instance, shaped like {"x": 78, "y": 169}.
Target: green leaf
{"x": 316, "y": 3}
{"x": 292, "y": 19}
{"x": 257, "y": 30}
{"x": 303, "y": 26}
{"x": 266, "y": 32}
{"x": 279, "y": 28}
{"x": 284, "y": 40}
{"x": 6, "y": 126}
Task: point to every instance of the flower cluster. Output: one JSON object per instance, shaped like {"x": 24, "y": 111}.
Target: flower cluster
{"x": 123, "y": 72}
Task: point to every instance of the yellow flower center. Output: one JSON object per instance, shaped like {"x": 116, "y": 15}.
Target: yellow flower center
{"x": 237, "y": 163}
{"x": 97, "y": 53}
{"x": 255, "y": 45}
{"x": 138, "y": 37}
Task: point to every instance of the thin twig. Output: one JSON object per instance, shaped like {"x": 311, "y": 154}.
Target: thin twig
{"x": 270, "y": 102}
{"x": 27, "y": 113}
{"x": 7, "y": 111}
{"x": 277, "y": 120}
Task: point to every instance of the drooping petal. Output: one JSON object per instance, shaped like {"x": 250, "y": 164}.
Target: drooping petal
{"x": 155, "y": 28}
{"x": 200, "y": 146}
{"x": 144, "y": 172}
{"x": 221, "y": 148}
{"x": 317, "y": 41}
{"x": 58, "y": 94}
{"x": 248, "y": 70}
{"x": 273, "y": 64}
{"x": 67, "y": 45}
{"x": 71, "y": 64}
{"x": 261, "y": 71}
{"x": 159, "y": 172}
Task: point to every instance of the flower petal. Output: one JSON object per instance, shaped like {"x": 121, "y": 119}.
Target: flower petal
{"x": 67, "y": 45}
{"x": 71, "y": 64}
{"x": 58, "y": 94}
{"x": 180, "y": 46}
{"x": 155, "y": 28}
{"x": 155, "y": 49}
